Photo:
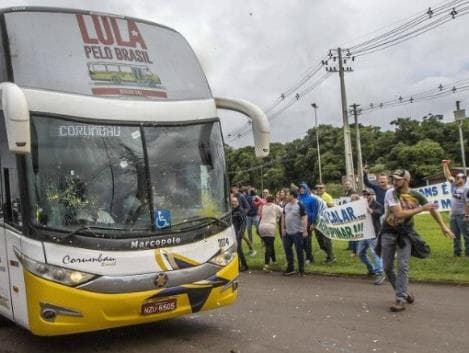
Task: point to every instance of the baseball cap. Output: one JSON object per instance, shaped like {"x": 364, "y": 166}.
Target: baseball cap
{"x": 401, "y": 174}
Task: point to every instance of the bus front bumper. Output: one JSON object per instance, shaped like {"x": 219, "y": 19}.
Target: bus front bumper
{"x": 55, "y": 309}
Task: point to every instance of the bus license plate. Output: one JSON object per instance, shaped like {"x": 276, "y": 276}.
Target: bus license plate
{"x": 158, "y": 307}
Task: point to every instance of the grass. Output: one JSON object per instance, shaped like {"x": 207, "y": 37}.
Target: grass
{"x": 441, "y": 266}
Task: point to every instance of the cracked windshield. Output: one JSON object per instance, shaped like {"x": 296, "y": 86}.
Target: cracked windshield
{"x": 119, "y": 177}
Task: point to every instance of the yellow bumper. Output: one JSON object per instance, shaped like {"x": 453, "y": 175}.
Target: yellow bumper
{"x": 102, "y": 311}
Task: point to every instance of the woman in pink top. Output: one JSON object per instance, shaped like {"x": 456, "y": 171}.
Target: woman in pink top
{"x": 269, "y": 214}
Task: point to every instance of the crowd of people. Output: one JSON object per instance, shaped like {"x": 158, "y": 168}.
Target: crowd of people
{"x": 293, "y": 213}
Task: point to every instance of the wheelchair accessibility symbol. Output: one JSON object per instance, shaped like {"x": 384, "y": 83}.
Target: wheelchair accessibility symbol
{"x": 162, "y": 218}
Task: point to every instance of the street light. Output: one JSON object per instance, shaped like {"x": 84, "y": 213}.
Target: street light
{"x": 315, "y": 107}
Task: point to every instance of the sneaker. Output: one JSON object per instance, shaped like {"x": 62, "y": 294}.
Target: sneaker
{"x": 379, "y": 279}
{"x": 243, "y": 268}
{"x": 266, "y": 268}
{"x": 398, "y": 306}
{"x": 301, "y": 274}
{"x": 289, "y": 273}
{"x": 330, "y": 260}
{"x": 252, "y": 252}
{"x": 410, "y": 298}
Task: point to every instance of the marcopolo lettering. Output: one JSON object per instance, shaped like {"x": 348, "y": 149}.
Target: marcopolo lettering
{"x": 154, "y": 243}
{"x": 89, "y": 131}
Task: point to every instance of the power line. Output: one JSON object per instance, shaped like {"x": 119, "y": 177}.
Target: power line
{"x": 413, "y": 27}
{"x": 245, "y": 130}
{"x": 425, "y": 95}
{"x": 410, "y": 30}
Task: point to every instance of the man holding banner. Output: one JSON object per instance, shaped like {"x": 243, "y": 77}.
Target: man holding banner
{"x": 401, "y": 204}
{"x": 457, "y": 223}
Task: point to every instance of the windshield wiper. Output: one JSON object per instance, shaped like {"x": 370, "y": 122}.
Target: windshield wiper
{"x": 219, "y": 221}
{"x": 88, "y": 228}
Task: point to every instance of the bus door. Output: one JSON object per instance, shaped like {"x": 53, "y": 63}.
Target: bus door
{"x": 12, "y": 286}
{"x": 6, "y": 309}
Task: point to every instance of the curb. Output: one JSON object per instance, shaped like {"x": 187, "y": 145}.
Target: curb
{"x": 361, "y": 276}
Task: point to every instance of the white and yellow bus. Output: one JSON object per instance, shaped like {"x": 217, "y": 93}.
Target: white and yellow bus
{"x": 114, "y": 198}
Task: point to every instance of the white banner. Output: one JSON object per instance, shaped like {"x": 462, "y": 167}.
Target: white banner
{"x": 439, "y": 194}
{"x": 351, "y": 221}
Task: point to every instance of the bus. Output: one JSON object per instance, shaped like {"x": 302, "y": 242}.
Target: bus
{"x": 114, "y": 198}
{"x": 122, "y": 73}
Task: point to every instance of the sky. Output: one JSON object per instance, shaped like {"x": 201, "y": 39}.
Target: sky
{"x": 258, "y": 49}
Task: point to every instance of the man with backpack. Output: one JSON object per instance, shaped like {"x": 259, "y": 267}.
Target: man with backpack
{"x": 401, "y": 204}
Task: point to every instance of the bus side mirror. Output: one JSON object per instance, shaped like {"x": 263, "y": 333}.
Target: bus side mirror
{"x": 260, "y": 124}
{"x": 16, "y": 113}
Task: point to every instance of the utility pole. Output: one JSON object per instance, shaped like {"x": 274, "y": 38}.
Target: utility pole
{"x": 347, "y": 139}
{"x": 315, "y": 107}
{"x": 459, "y": 116}
{"x": 356, "y": 112}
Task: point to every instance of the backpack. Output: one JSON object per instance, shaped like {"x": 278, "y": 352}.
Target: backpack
{"x": 420, "y": 248}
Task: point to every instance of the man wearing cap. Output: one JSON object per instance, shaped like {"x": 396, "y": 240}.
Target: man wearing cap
{"x": 401, "y": 204}
{"x": 457, "y": 221}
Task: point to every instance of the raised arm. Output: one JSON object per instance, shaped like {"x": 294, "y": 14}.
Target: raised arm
{"x": 444, "y": 228}
{"x": 447, "y": 172}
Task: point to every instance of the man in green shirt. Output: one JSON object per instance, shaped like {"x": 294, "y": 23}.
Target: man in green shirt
{"x": 401, "y": 204}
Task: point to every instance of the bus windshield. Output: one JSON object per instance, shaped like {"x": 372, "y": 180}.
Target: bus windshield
{"x": 124, "y": 177}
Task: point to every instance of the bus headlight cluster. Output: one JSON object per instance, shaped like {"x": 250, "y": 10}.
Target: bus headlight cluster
{"x": 53, "y": 273}
{"x": 224, "y": 257}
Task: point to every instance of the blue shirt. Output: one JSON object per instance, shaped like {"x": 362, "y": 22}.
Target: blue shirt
{"x": 379, "y": 191}
{"x": 312, "y": 206}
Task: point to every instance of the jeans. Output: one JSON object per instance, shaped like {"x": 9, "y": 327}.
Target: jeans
{"x": 352, "y": 245}
{"x": 269, "y": 249}
{"x": 389, "y": 247}
{"x": 239, "y": 249}
{"x": 325, "y": 244}
{"x": 308, "y": 245}
{"x": 459, "y": 227}
{"x": 288, "y": 241}
{"x": 362, "y": 248}
{"x": 251, "y": 221}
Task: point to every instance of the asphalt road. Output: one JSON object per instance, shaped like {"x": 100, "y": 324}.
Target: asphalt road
{"x": 283, "y": 314}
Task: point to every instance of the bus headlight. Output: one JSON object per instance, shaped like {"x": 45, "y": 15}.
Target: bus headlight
{"x": 224, "y": 257}
{"x": 54, "y": 273}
